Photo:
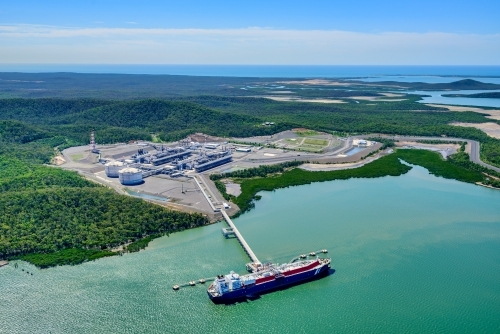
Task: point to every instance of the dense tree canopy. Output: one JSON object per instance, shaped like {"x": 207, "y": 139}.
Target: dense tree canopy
{"x": 45, "y": 210}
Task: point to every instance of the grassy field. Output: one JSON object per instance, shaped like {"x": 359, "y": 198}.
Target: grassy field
{"x": 293, "y": 140}
{"x": 319, "y": 142}
{"x": 310, "y": 148}
{"x": 76, "y": 157}
{"x": 306, "y": 133}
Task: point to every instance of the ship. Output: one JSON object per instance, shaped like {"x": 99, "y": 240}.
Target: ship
{"x": 265, "y": 278}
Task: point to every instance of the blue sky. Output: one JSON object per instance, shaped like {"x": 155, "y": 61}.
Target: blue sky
{"x": 250, "y": 32}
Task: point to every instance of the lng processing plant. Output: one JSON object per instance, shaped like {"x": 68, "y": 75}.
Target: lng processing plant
{"x": 171, "y": 161}
{"x": 177, "y": 174}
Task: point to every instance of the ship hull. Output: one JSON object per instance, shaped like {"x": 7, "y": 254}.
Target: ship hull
{"x": 276, "y": 284}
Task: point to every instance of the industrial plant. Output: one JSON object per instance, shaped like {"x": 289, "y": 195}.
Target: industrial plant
{"x": 152, "y": 159}
{"x": 177, "y": 174}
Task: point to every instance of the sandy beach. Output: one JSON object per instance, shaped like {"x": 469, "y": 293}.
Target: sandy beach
{"x": 374, "y": 98}
{"x": 297, "y": 99}
{"x": 315, "y": 82}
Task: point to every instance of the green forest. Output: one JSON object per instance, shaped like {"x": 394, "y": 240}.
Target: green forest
{"x": 51, "y": 216}
{"x": 48, "y": 211}
{"x": 30, "y": 128}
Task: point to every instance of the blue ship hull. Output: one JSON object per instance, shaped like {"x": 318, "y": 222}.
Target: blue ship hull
{"x": 276, "y": 284}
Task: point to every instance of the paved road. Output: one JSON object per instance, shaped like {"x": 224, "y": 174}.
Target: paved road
{"x": 474, "y": 146}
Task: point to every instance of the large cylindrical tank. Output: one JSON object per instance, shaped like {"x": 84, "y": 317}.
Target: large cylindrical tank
{"x": 113, "y": 167}
{"x": 130, "y": 176}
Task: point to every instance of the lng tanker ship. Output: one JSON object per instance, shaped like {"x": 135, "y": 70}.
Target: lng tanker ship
{"x": 265, "y": 278}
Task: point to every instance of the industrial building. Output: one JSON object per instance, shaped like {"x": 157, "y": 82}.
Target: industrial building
{"x": 212, "y": 146}
{"x": 131, "y": 168}
{"x": 113, "y": 167}
{"x": 244, "y": 149}
{"x": 130, "y": 176}
{"x": 213, "y": 160}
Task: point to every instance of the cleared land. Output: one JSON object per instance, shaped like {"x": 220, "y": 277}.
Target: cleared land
{"x": 298, "y": 99}
{"x": 493, "y": 114}
{"x": 319, "y": 142}
{"x": 490, "y": 128}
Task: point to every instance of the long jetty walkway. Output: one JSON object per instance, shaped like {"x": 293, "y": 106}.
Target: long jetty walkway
{"x": 240, "y": 238}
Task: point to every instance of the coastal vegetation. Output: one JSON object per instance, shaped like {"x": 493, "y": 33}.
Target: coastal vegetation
{"x": 390, "y": 165}
{"x": 488, "y": 95}
{"x": 386, "y": 166}
{"x": 221, "y": 187}
{"x": 141, "y": 244}
{"x": 51, "y": 216}
{"x": 436, "y": 165}
{"x": 70, "y": 256}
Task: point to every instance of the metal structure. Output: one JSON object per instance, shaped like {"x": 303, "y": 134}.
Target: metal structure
{"x": 211, "y": 160}
{"x": 113, "y": 168}
{"x": 240, "y": 238}
{"x": 130, "y": 176}
{"x": 93, "y": 148}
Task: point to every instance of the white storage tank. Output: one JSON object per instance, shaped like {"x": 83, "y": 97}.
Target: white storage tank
{"x": 113, "y": 167}
{"x": 130, "y": 176}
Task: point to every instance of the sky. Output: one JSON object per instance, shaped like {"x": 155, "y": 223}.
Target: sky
{"x": 314, "y": 32}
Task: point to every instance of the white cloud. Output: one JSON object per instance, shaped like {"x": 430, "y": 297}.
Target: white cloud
{"x": 41, "y": 44}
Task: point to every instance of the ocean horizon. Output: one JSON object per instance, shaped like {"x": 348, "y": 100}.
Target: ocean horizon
{"x": 279, "y": 71}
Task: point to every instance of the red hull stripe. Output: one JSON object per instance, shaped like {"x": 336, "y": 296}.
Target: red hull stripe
{"x": 300, "y": 270}
{"x": 264, "y": 279}
{"x": 288, "y": 273}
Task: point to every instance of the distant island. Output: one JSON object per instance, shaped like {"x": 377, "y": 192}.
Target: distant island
{"x": 490, "y": 95}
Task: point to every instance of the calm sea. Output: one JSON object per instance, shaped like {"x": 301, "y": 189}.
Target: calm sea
{"x": 282, "y": 71}
{"x": 412, "y": 254}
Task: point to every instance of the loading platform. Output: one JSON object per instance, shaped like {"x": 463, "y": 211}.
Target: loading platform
{"x": 227, "y": 232}
{"x": 244, "y": 244}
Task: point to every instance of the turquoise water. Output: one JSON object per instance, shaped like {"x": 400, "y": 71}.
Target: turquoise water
{"x": 437, "y": 97}
{"x": 414, "y": 253}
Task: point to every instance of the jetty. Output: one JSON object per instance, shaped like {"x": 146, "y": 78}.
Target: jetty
{"x": 3, "y": 263}
{"x": 244, "y": 244}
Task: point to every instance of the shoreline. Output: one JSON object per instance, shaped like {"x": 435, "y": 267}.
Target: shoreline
{"x": 376, "y": 166}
